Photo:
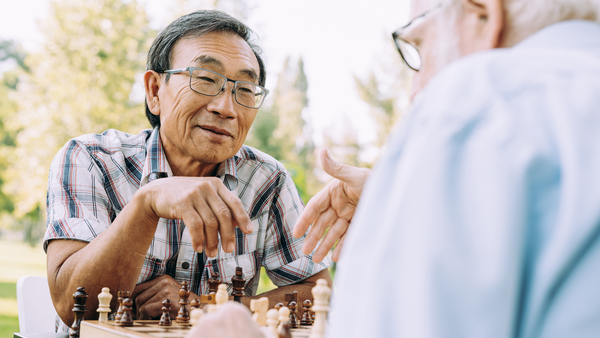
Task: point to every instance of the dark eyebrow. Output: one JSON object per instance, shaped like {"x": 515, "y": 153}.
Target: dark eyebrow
{"x": 204, "y": 60}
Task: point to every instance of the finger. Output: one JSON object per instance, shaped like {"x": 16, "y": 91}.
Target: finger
{"x": 333, "y": 235}
{"x": 338, "y": 249}
{"x": 336, "y": 169}
{"x": 317, "y": 205}
{"x": 140, "y": 288}
{"x": 192, "y": 217}
{"x": 210, "y": 231}
{"x": 324, "y": 221}
{"x": 225, "y": 224}
{"x": 237, "y": 209}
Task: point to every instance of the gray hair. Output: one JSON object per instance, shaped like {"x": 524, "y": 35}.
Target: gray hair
{"x": 525, "y": 17}
{"x": 192, "y": 25}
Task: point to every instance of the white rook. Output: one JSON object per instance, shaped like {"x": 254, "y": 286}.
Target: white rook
{"x": 321, "y": 294}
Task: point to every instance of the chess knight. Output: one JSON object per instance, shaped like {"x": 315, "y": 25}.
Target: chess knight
{"x": 184, "y": 200}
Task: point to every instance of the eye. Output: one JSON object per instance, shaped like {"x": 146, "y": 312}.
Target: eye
{"x": 205, "y": 79}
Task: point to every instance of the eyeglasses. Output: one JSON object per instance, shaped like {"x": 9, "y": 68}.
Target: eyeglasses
{"x": 409, "y": 52}
{"x": 209, "y": 83}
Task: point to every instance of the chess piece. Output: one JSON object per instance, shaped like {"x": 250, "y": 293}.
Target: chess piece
{"x": 165, "y": 318}
{"x": 104, "y": 299}
{"x": 208, "y": 299}
{"x": 239, "y": 283}
{"x": 194, "y": 304}
{"x": 79, "y": 297}
{"x": 294, "y": 321}
{"x": 306, "y": 313}
{"x": 183, "y": 316}
{"x": 284, "y": 316}
{"x": 121, "y": 295}
{"x": 278, "y": 306}
{"x": 272, "y": 321}
{"x": 210, "y": 308}
{"x": 222, "y": 296}
{"x": 213, "y": 283}
{"x": 260, "y": 307}
{"x": 321, "y": 294}
{"x": 195, "y": 316}
{"x": 285, "y": 331}
{"x": 127, "y": 318}
{"x": 291, "y": 297}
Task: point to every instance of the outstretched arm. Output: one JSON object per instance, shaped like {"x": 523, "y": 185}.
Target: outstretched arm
{"x": 332, "y": 208}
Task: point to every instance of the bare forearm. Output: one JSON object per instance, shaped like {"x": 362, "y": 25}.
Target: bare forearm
{"x": 113, "y": 259}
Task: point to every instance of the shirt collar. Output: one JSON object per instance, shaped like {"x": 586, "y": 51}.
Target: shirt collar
{"x": 156, "y": 162}
{"x": 573, "y": 34}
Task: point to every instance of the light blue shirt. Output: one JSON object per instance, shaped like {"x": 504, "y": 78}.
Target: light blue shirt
{"x": 482, "y": 218}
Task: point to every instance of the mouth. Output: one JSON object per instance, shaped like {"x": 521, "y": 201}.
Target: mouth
{"x": 216, "y": 130}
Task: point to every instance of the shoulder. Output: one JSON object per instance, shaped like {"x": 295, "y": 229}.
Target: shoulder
{"x": 111, "y": 142}
{"x": 253, "y": 158}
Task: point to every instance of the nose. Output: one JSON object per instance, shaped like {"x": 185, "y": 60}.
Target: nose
{"x": 223, "y": 104}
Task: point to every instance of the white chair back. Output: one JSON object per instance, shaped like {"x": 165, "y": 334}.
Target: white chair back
{"x": 36, "y": 311}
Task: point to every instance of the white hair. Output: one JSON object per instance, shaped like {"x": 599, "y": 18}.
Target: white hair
{"x": 525, "y": 17}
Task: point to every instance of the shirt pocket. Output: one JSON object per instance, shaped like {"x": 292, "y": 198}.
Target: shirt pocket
{"x": 227, "y": 266}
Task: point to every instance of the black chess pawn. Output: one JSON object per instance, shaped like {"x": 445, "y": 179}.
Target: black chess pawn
{"x": 121, "y": 295}
{"x": 183, "y": 316}
{"x": 238, "y": 283}
{"x": 306, "y": 313}
{"x": 194, "y": 304}
{"x": 278, "y": 306}
{"x": 127, "y": 318}
{"x": 294, "y": 321}
{"x": 213, "y": 283}
{"x": 80, "y": 296}
{"x": 165, "y": 319}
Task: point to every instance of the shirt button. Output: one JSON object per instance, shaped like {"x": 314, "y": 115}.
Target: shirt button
{"x": 185, "y": 265}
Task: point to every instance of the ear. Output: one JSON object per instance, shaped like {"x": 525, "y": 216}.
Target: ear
{"x": 489, "y": 15}
{"x": 152, "y": 83}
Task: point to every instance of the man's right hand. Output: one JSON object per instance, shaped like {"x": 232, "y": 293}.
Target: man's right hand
{"x": 206, "y": 207}
{"x": 332, "y": 208}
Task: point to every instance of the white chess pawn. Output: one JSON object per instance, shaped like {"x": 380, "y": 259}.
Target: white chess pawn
{"x": 222, "y": 296}
{"x": 104, "y": 299}
{"x": 284, "y": 316}
{"x": 272, "y": 321}
{"x": 321, "y": 294}
{"x": 195, "y": 316}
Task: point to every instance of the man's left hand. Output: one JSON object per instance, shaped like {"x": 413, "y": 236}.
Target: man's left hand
{"x": 149, "y": 296}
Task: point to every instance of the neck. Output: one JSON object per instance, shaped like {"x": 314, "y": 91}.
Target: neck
{"x": 183, "y": 165}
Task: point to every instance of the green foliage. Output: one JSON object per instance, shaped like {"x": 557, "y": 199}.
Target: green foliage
{"x": 8, "y": 290}
{"x": 79, "y": 83}
{"x": 8, "y": 325}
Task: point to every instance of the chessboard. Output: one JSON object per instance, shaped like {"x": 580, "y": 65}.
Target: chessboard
{"x": 150, "y": 329}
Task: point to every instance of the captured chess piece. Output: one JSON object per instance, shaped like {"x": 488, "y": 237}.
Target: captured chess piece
{"x": 260, "y": 307}
{"x": 183, "y": 316}
{"x": 284, "y": 316}
{"x": 321, "y": 294}
{"x": 306, "y": 313}
{"x": 165, "y": 318}
{"x": 121, "y": 295}
{"x": 127, "y": 318}
{"x": 272, "y": 321}
{"x": 294, "y": 321}
{"x": 194, "y": 304}
{"x": 238, "y": 283}
{"x": 79, "y": 297}
{"x": 104, "y": 299}
{"x": 213, "y": 283}
{"x": 222, "y": 296}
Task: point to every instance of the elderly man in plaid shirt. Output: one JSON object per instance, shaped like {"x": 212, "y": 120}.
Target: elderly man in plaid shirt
{"x": 182, "y": 200}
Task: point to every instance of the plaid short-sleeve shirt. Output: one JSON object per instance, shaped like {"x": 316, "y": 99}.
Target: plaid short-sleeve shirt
{"x": 93, "y": 177}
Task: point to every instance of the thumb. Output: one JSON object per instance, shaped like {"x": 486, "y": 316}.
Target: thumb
{"x": 336, "y": 169}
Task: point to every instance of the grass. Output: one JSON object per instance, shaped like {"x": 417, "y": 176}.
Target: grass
{"x": 17, "y": 259}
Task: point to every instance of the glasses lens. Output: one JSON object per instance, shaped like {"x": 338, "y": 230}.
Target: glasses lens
{"x": 206, "y": 82}
{"x": 248, "y": 94}
{"x": 409, "y": 54}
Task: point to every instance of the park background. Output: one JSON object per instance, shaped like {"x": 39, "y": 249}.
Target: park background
{"x": 73, "y": 67}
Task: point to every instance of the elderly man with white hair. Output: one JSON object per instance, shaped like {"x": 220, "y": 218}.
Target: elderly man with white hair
{"x": 482, "y": 217}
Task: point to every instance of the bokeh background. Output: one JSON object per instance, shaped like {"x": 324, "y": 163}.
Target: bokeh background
{"x": 73, "y": 67}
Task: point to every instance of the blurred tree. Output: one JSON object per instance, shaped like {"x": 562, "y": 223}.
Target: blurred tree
{"x": 81, "y": 82}
{"x": 281, "y": 130}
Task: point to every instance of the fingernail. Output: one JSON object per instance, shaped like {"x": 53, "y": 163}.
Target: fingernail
{"x": 230, "y": 247}
{"x": 250, "y": 227}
